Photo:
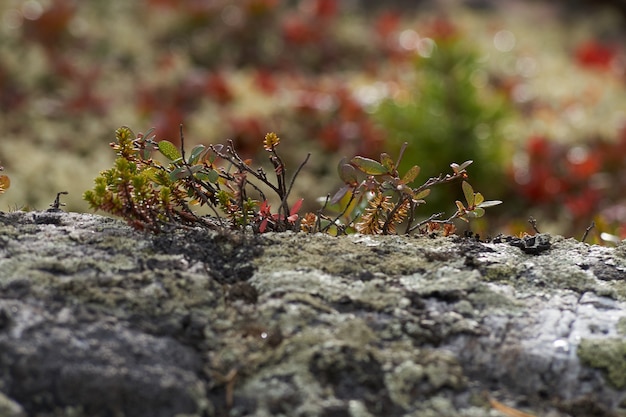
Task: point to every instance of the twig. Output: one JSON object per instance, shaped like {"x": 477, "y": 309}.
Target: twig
{"x": 57, "y": 202}
{"x": 587, "y": 230}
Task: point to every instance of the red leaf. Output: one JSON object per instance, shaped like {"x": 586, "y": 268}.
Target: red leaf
{"x": 296, "y": 207}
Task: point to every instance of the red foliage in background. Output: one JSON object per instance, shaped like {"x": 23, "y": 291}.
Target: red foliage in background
{"x": 50, "y": 27}
{"x": 595, "y": 55}
{"x": 582, "y": 179}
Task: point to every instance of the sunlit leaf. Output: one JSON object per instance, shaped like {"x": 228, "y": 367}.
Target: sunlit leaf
{"x": 468, "y": 192}
{"x": 195, "y": 154}
{"x": 411, "y": 174}
{"x": 478, "y": 198}
{"x": 491, "y": 203}
{"x": 368, "y": 166}
{"x": 460, "y": 206}
{"x": 169, "y": 150}
{"x": 458, "y": 168}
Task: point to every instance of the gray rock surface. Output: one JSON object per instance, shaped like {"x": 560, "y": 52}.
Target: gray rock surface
{"x": 99, "y": 320}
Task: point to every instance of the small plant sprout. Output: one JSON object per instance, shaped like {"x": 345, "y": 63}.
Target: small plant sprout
{"x": 476, "y": 204}
{"x": 5, "y": 182}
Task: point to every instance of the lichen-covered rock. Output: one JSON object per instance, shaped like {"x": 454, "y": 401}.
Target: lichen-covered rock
{"x": 99, "y": 320}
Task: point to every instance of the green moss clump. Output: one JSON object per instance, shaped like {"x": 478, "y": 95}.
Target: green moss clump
{"x": 608, "y": 355}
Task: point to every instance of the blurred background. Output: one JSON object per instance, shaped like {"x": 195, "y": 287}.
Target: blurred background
{"x": 533, "y": 91}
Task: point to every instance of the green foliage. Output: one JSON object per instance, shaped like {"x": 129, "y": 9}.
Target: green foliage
{"x": 376, "y": 198}
{"x": 151, "y": 195}
{"x": 383, "y": 200}
{"x": 447, "y": 116}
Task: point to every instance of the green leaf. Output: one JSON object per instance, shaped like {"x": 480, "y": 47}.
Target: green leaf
{"x": 422, "y": 194}
{"x": 468, "y": 192}
{"x": 478, "y": 198}
{"x": 169, "y": 150}
{"x": 347, "y": 173}
{"x": 179, "y": 173}
{"x": 210, "y": 176}
{"x": 368, "y": 166}
{"x": 411, "y": 174}
{"x": 477, "y": 212}
{"x": 195, "y": 154}
{"x": 458, "y": 168}
{"x": 387, "y": 162}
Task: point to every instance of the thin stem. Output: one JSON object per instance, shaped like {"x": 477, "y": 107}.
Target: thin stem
{"x": 587, "y": 230}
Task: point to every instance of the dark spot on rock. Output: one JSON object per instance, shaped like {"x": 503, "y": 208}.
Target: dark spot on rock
{"x": 18, "y": 289}
{"x": 365, "y": 276}
{"x": 608, "y": 272}
{"x": 336, "y": 411}
{"x": 353, "y": 374}
{"x": 532, "y": 245}
{"x": 48, "y": 218}
{"x": 5, "y": 319}
{"x": 242, "y": 291}
{"x": 228, "y": 255}
{"x": 448, "y": 296}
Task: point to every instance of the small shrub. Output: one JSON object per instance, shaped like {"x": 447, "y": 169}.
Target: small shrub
{"x": 152, "y": 195}
{"x": 383, "y": 200}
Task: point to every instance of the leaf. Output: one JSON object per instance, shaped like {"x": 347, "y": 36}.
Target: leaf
{"x": 179, "y": 173}
{"x": 478, "y": 198}
{"x": 458, "y": 168}
{"x": 422, "y": 194}
{"x": 5, "y": 183}
{"x": 387, "y": 162}
{"x": 211, "y": 176}
{"x": 169, "y": 150}
{"x": 411, "y": 174}
{"x": 340, "y": 194}
{"x": 468, "y": 192}
{"x": 347, "y": 172}
{"x": 489, "y": 203}
{"x": 477, "y": 212}
{"x": 506, "y": 410}
{"x": 149, "y": 134}
{"x": 195, "y": 154}
{"x": 368, "y": 166}
{"x": 296, "y": 207}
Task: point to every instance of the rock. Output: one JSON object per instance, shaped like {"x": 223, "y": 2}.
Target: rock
{"x": 99, "y": 320}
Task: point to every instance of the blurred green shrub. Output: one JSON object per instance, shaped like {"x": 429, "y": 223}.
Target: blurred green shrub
{"x": 449, "y": 113}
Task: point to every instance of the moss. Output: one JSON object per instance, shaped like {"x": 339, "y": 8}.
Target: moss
{"x": 621, "y": 326}
{"x": 609, "y": 355}
{"x": 355, "y": 255}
